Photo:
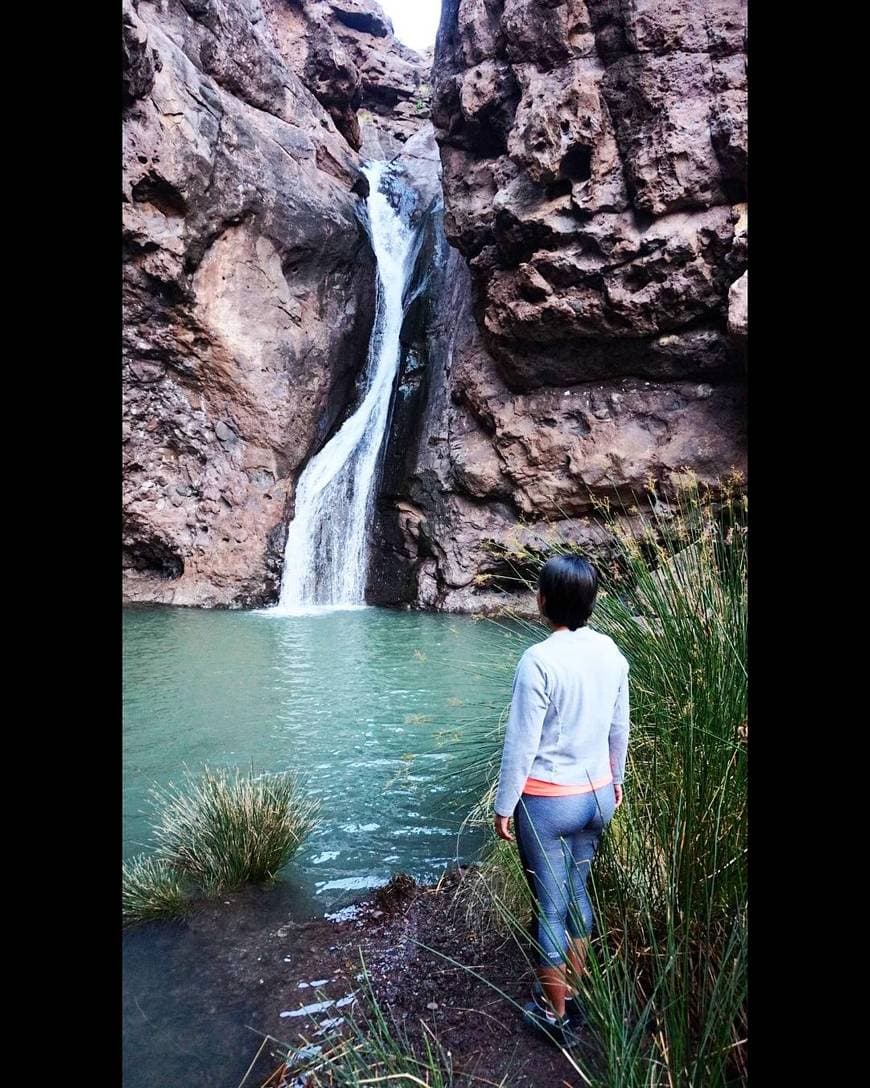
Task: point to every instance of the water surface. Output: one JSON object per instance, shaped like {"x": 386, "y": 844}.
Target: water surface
{"x": 376, "y": 707}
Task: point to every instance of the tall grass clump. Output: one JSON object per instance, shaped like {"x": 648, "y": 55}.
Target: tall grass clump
{"x": 219, "y": 830}
{"x": 666, "y": 985}
{"x": 151, "y": 889}
{"x": 223, "y": 829}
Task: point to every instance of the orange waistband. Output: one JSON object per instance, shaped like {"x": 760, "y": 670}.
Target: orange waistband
{"x": 536, "y": 787}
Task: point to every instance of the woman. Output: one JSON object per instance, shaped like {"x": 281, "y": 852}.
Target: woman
{"x": 561, "y": 777}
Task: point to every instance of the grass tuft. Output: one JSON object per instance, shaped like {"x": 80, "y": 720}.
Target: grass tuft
{"x": 151, "y": 889}
{"x": 218, "y": 831}
{"x": 224, "y": 829}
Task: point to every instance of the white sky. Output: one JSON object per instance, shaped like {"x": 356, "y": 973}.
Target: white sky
{"x": 414, "y": 21}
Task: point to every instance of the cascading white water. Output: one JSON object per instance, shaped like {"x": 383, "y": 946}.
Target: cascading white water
{"x": 326, "y": 557}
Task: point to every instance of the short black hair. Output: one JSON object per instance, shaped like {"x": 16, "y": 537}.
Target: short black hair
{"x": 568, "y": 584}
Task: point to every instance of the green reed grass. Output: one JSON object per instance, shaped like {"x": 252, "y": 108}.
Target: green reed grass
{"x": 151, "y": 889}
{"x": 666, "y": 986}
{"x": 220, "y": 830}
{"x": 223, "y": 828}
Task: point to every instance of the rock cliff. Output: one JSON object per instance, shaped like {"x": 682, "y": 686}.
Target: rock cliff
{"x": 594, "y": 176}
{"x": 346, "y": 54}
{"x": 577, "y": 320}
{"x": 248, "y": 280}
{"x": 594, "y": 161}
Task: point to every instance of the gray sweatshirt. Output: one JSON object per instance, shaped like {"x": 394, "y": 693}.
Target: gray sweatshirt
{"x": 568, "y": 720}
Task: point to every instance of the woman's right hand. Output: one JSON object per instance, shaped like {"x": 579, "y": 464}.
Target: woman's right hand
{"x": 501, "y": 828}
{"x": 617, "y": 793}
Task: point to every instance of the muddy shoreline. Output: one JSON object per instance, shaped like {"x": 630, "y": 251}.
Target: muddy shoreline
{"x": 249, "y": 973}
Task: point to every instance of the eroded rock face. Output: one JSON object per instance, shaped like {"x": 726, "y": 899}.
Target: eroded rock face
{"x": 347, "y": 55}
{"x": 248, "y": 296}
{"x": 738, "y": 306}
{"x": 593, "y": 171}
{"x": 600, "y": 213}
{"x": 474, "y": 471}
{"x": 585, "y": 336}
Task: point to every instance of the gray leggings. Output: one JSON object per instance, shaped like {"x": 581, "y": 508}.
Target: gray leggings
{"x": 557, "y": 838}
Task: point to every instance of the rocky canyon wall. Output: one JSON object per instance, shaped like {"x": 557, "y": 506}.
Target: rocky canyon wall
{"x": 594, "y": 178}
{"x": 577, "y": 317}
{"x": 248, "y": 285}
{"x": 347, "y": 55}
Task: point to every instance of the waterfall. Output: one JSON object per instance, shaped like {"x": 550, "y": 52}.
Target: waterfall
{"x": 326, "y": 557}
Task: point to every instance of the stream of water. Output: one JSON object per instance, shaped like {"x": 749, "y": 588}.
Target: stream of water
{"x": 326, "y": 556}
